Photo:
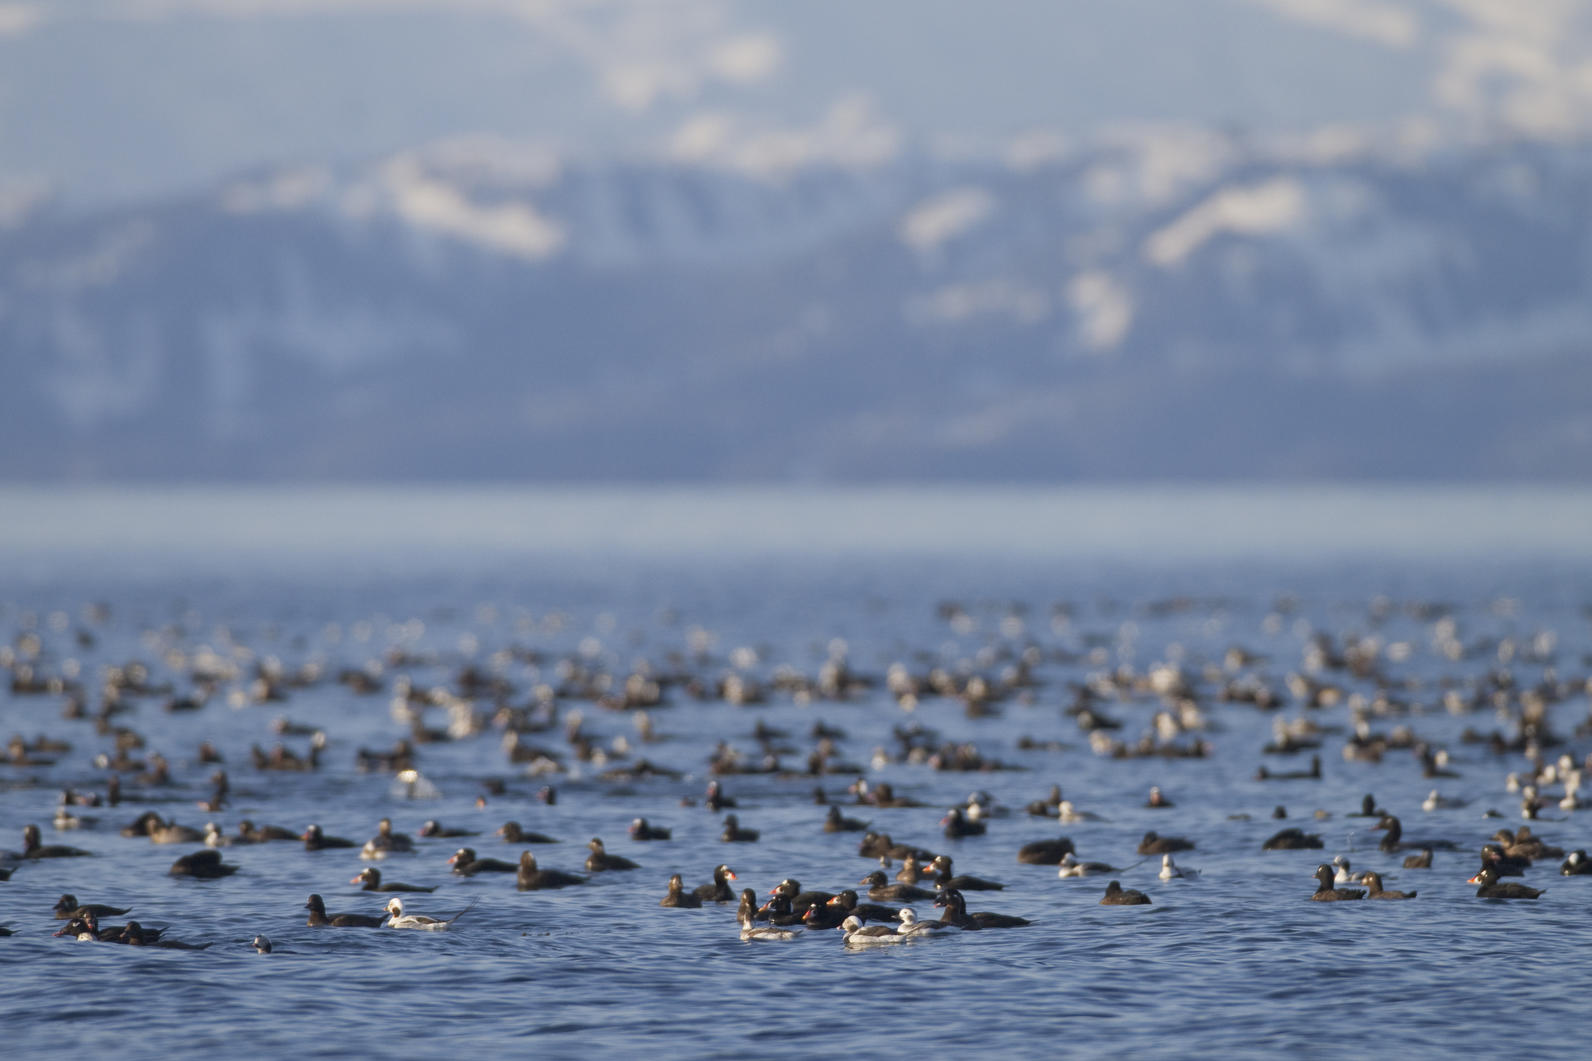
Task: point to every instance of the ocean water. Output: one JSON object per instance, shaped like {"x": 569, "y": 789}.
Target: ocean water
{"x": 1464, "y": 602}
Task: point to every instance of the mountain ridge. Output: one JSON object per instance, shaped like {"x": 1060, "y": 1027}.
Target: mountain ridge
{"x": 1189, "y": 307}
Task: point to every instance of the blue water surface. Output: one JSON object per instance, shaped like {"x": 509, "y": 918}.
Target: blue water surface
{"x": 1236, "y": 962}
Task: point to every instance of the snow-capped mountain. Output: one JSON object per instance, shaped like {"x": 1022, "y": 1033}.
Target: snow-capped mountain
{"x": 1166, "y": 304}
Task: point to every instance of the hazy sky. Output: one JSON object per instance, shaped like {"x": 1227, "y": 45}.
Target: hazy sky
{"x": 110, "y": 98}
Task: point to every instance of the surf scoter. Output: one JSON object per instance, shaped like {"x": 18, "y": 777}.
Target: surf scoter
{"x": 1326, "y": 893}
{"x": 956, "y": 914}
{"x": 678, "y": 897}
{"x": 320, "y": 919}
{"x": 33, "y": 848}
{"x": 1292, "y": 839}
{"x": 640, "y": 830}
{"x": 466, "y": 864}
{"x": 600, "y": 861}
{"x": 205, "y": 865}
{"x": 1374, "y": 889}
{"x": 315, "y": 840}
{"x": 847, "y": 903}
{"x": 941, "y": 876}
{"x": 1155, "y": 844}
{"x": 530, "y": 878}
{"x": 67, "y": 907}
{"x": 1045, "y": 852}
{"x": 513, "y": 834}
{"x": 369, "y": 880}
{"x": 1117, "y": 895}
{"x": 881, "y": 889}
{"x": 718, "y": 889}
{"x": 1492, "y": 888}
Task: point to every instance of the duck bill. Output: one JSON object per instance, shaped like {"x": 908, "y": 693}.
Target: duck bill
{"x": 1474, "y": 880}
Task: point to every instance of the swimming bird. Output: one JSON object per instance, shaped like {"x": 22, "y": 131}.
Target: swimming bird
{"x": 678, "y": 897}
{"x": 1435, "y": 801}
{"x": 1117, "y": 895}
{"x": 1342, "y": 873}
{"x": 1171, "y": 870}
{"x": 385, "y": 842}
{"x": 433, "y": 828}
{"x": 857, "y": 934}
{"x": 1067, "y": 814}
{"x": 641, "y": 830}
{"x": 1422, "y": 859}
{"x": 956, "y": 825}
{"x": 912, "y": 928}
{"x": 67, "y": 907}
{"x": 530, "y": 878}
{"x": 847, "y": 903}
{"x": 1071, "y": 867}
{"x": 1492, "y": 854}
{"x": 136, "y": 935}
{"x": 513, "y": 834}
{"x": 32, "y": 848}
{"x": 956, "y": 914}
{"x": 734, "y": 834}
{"x": 825, "y": 915}
{"x": 396, "y": 918}
{"x": 791, "y": 891}
{"x": 84, "y": 929}
{"x": 1046, "y": 808}
{"x": 1292, "y": 839}
{"x": 1393, "y": 841}
{"x": 1374, "y": 889}
{"x": 466, "y": 864}
{"x": 1576, "y": 864}
{"x": 600, "y": 861}
{"x": 1045, "y": 852}
{"x": 370, "y": 880}
{"x": 204, "y": 864}
{"x": 1492, "y": 888}
{"x": 910, "y": 872}
{"x": 161, "y": 832}
{"x": 249, "y": 833}
{"x": 1523, "y": 844}
{"x": 715, "y": 800}
{"x": 879, "y": 845}
{"x": 1155, "y": 844}
{"x": 1368, "y": 808}
{"x": 836, "y": 822}
{"x": 881, "y": 889}
{"x": 1326, "y": 893}
{"x": 941, "y": 876}
{"x": 315, "y": 840}
{"x": 718, "y": 889}
{"x": 755, "y": 933}
{"x": 320, "y": 919}
{"x": 261, "y": 944}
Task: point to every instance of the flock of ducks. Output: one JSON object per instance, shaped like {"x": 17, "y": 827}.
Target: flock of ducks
{"x": 1345, "y": 688}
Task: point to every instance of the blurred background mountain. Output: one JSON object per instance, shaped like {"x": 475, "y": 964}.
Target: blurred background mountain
{"x": 697, "y": 240}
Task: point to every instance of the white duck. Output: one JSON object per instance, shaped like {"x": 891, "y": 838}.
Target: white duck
{"x": 912, "y": 928}
{"x": 753, "y": 932}
{"x": 859, "y": 935}
{"x": 396, "y": 918}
